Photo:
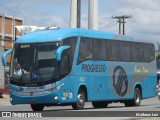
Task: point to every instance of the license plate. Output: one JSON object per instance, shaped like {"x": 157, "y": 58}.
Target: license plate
{"x": 31, "y": 100}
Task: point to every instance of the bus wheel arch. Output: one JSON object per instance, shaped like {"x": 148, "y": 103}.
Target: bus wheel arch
{"x": 81, "y": 98}
{"x": 137, "y": 97}
{"x": 84, "y": 88}
{"x": 140, "y": 88}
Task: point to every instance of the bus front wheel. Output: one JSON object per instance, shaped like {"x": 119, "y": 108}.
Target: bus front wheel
{"x": 80, "y": 100}
{"x": 37, "y": 107}
{"x": 136, "y": 100}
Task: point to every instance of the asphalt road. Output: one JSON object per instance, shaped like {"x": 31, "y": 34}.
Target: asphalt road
{"x": 116, "y": 111}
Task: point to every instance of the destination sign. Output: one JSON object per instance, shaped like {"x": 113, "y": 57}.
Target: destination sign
{"x": 24, "y": 46}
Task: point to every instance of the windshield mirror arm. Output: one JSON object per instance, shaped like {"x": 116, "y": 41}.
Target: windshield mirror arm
{"x": 60, "y": 51}
{"x": 4, "y": 56}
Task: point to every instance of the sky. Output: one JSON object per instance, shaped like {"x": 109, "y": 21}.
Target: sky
{"x": 144, "y": 24}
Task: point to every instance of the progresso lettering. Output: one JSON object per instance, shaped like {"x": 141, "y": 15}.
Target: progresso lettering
{"x": 93, "y": 68}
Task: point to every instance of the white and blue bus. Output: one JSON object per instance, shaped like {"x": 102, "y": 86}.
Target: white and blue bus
{"x": 73, "y": 66}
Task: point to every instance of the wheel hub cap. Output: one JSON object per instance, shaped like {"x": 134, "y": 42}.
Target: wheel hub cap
{"x": 80, "y": 99}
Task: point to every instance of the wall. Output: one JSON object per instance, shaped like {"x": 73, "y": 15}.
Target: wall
{"x": 7, "y": 32}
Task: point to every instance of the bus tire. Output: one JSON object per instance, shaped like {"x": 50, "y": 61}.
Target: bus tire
{"x": 81, "y": 98}
{"x": 100, "y": 104}
{"x": 37, "y": 107}
{"x": 136, "y": 100}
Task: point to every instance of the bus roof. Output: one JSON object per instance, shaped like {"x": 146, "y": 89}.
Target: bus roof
{"x": 59, "y": 34}
{"x": 62, "y": 33}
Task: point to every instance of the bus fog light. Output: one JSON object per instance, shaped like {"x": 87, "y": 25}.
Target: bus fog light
{"x": 55, "y": 97}
{"x": 10, "y": 99}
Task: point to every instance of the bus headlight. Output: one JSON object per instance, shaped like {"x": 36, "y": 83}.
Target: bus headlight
{"x": 55, "y": 88}
{"x": 55, "y": 97}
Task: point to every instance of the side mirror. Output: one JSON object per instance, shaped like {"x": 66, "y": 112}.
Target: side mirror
{"x": 59, "y": 52}
{"x": 4, "y": 56}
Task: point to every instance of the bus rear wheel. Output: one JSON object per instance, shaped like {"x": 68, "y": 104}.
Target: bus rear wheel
{"x": 136, "y": 100}
{"x": 100, "y": 104}
{"x": 81, "y": 98}
{"x": 37, "y": 107}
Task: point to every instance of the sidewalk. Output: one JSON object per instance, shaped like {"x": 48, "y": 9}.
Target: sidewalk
{"x": 5, "y": 100}
{"x": 5, "y": 96}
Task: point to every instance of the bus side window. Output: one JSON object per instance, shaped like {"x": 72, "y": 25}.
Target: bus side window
{"x": 113, "y": 50}
{"x": 125, "y": 48}
{"x": 85, "y": 50}
{"x": 65, "y": 66}
{"x": 138, "y": 52}
{"x": 72, "y": 41}
{"x": 99, "y": 49}
{"x": 149, "y": 52}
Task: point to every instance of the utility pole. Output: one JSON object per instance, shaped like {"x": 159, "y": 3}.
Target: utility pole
{"x": 121, "y": 19}
{"x": 75, "y": 14}
{"x": 78, "y": 13}
{"x": 93, "y": 14}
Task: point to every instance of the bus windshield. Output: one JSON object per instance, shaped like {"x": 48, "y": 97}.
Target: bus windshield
{"x": 34, "y": 64}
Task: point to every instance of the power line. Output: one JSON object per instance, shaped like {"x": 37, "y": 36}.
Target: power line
{"x": 134, "y": 23}
{"x": 22, "y": 15}
{"x": 121, "y": 20}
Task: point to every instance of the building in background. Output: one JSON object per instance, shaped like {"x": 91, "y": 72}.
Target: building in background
{"x": 7, "y": 31}
{"x": 7, "y": 38}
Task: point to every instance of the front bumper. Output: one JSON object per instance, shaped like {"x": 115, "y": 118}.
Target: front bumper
{"x": 41, "y": 99}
